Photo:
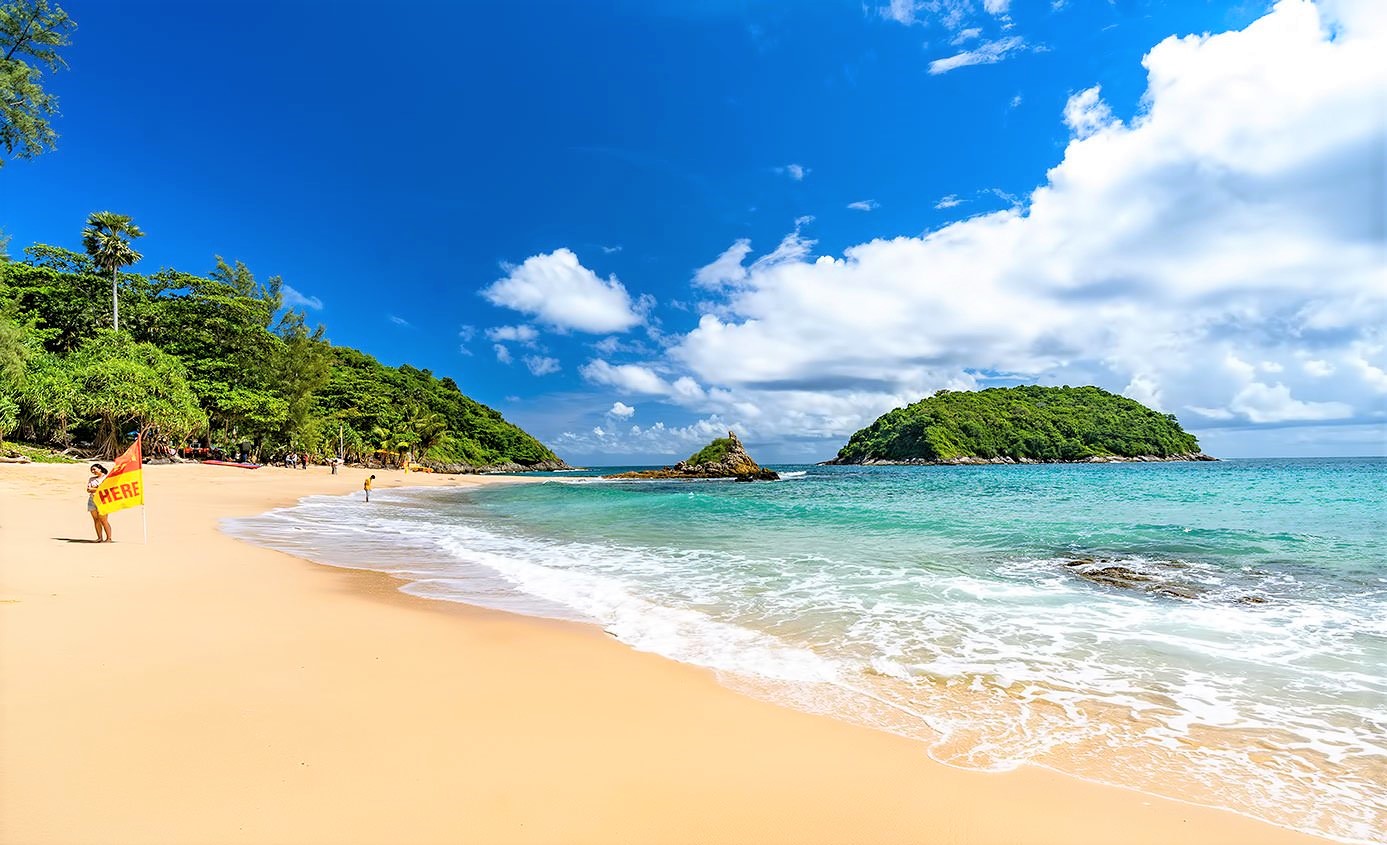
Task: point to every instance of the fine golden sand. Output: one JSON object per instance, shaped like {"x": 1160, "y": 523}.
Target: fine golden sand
{"x": 201, "y": 690}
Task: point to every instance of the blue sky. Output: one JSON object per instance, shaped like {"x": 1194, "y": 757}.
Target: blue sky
{"x": 629, "y": 225}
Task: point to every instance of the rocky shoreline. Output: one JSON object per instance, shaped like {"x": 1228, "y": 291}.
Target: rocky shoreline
{"x": 470, "y": 469}
{"x": 970, "y": 460}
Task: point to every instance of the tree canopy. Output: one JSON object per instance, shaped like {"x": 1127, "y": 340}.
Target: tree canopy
{"x": 1036, "y": 423}
{"x": 31, "y": 31}
{"x": 219, "y": 357}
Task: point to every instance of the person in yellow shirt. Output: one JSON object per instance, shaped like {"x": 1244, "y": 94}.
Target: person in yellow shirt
{"x": 367, "y": 487}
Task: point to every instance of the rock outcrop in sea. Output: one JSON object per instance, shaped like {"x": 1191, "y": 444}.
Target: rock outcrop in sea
{"x": 723, "y": 458}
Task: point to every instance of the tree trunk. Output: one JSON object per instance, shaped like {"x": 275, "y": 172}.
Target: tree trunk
{"x": 115, "y": 301}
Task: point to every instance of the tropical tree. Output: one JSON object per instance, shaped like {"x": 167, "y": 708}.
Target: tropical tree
{"x": 32, "y": 30}
{"x": 14, "y": 359}
{"x": 120, "y": 382}
{"x": 430, "y": 429}
{"x": 107, "y": 240}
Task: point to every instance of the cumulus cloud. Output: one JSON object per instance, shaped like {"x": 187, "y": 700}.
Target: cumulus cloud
{"x": 656, "y": 439}
{"x": 726, "y": 269}
{"x": 864, "y": 205}
{"x": 631, "y": 378}
{"x": 1261, "y": 403}
{"x": 948, "y": 202}
{"x": 987, "y": 53}
{"x": 557, "y": 290}
{"x": 516, "y": 334}
{"x": 1085, "y": 113}
{"x": 1233, "y": 226}
{"x": 796, "y": 172}
{"x": 541, "y": 366}
{"x": 295, "y": 299}
{"x": 621, "y": 410}
{"x": 502, "y": 353}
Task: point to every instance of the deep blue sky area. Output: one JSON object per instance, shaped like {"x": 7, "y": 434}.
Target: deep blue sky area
{"x": 391, "y": 162}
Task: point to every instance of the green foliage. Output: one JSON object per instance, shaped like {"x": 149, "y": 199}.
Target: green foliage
{"x": 258, "y": 373}
{"x": 712, "y": 453}
{"x": 406, "y": 410}
{"x": 30, "y": 33}
{"x": 119, "y": 382}
{"x": 107, "y": 240}
{"x": 1039, "y": 423}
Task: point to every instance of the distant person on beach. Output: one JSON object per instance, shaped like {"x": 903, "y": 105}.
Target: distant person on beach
{"x": 101, "y": 521}
{"x": 367, "y": 487}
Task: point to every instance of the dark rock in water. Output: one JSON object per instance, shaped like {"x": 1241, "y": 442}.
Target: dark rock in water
{"x": 1252, "y": 600}
{"x": 1111, "y": 572}
{"x": 723, "y": 458}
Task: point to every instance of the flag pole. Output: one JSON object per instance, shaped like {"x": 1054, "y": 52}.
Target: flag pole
{"x": 144, "y": 505}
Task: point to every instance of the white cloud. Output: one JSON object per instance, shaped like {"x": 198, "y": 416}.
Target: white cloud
{"x": 1232, "y": 226}
{"x": 948, "y": 202}
{"x": 558, "y": 291}
{"x": 796, "y": 172}
{"x": 631, "y": 378}
{"x": 657, "y": 439}
{"x": 542, "y": 366}
{"x": 293, "y": 298}
{"x": 965, "y": 35}
{"x": 621, "y": 410}
{"x": 1085, "y": 113}
{"x": 864, "y": 205}
{"x": 1318, "y": 368}
{"x": 502, "y": 353}
{"x": 952, "y": 14}
{"x": 987, "y": 53}
{"x": 399, "y": 321}
{"x": 726, "y": 269}
{"x": 1015, "y": 102}
{"x": 1272, "y": 404}
{"x": 515, "y": 334}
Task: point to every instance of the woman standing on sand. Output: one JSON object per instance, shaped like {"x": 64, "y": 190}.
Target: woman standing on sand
{"x": 100, "y": 520}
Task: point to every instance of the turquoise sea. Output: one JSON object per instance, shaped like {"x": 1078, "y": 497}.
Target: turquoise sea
{"x": 1212, "y": 632}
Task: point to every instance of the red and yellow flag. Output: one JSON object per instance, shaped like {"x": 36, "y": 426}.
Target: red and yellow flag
{"x": 124, "y": 486}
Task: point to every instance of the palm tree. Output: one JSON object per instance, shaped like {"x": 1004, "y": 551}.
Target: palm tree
{"x": 107, "y": 240}
{"x": 430, "y": 429}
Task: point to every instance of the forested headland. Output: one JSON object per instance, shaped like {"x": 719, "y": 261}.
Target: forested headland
{"x": 1021, "y": 424}
{"x": 216, "y": 360}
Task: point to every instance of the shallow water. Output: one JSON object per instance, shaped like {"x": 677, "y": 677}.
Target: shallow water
{"x": 1212, "y": 632}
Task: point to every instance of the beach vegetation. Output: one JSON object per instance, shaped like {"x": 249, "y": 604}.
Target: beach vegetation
{"x": 1027, "y": 422}
{"x": 35, "y": 454}
{"x": 713, "y": 453}
{"x": 107, "y": 240}
{"x": 260, "y": 378}
{"x": 31, "y": 31}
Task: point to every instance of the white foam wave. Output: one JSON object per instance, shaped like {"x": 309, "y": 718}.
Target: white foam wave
{"x": 992, "y": 672}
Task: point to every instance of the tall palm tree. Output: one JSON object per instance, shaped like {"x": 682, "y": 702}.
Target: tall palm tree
{"x": 107, "y": 240}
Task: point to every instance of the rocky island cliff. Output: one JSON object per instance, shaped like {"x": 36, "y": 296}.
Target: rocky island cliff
{"x": 723, "y": 458}
{"x": 1028, "y": 424}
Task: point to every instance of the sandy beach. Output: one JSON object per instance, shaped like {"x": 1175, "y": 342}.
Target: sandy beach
{"x": 201, "y": 690}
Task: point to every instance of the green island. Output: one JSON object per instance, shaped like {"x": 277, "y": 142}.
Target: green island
{"x": 1027, "y": 424}
{"x": 216, "y": 361}
{"x": 724, "y": 457}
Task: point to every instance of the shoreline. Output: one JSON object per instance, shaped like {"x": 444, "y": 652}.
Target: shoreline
{"x": 202, "y": 688}
{"x": 970, "y": 460}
